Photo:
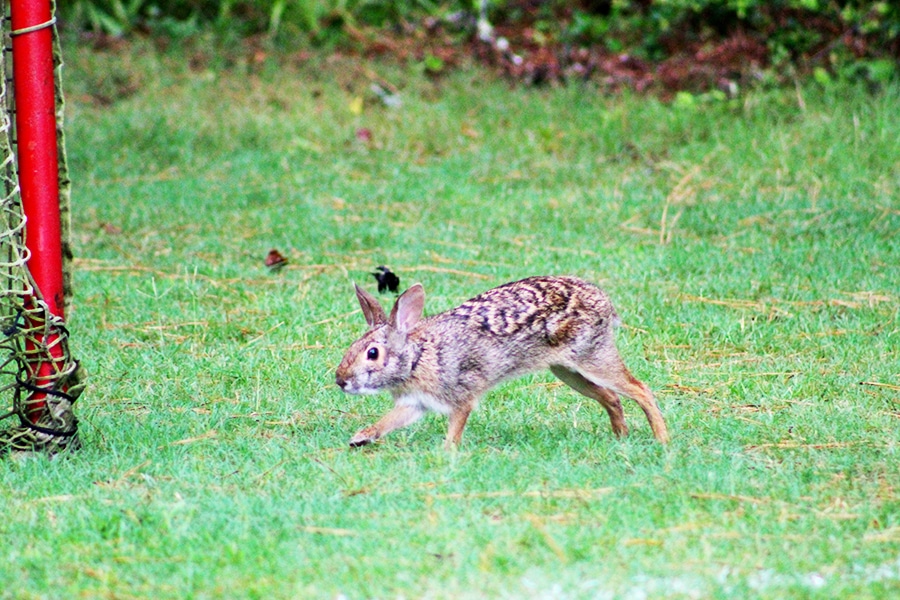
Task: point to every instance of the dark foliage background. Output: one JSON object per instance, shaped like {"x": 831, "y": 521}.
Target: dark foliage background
{"x": 670, "y": 45}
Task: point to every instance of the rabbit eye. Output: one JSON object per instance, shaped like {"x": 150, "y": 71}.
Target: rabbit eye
{"x": 372, "y": 354}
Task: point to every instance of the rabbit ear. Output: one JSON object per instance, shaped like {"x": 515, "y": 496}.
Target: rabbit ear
{"x": 372, "y": 310}
{"x": 408, "y": 309}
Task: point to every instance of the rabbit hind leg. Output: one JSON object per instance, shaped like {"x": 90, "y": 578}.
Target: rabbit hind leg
{"x": 616, "y": 377}
{"x": 606, "y": 397}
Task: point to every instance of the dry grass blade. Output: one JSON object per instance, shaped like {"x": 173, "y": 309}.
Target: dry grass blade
{"x": 336, "y": 531}
{"x": 891, "y": 534}
{"x": 642, "y": 542}
{"x": 682, "y": 191}
{"x": 211, "y": 434}
{"x": 568, "y": 493}
{"x": 264, "y": 334}
{"x": 730, "y": 303}
{"x": 887, "y": 386}
{"x": 124, "y": 476}
{"x": 871, "y": 298}
{"x": 538, "y": 524}
{"x": 775, "y": 374}
{"x": 840, "y": 516}
{"x": 795, "y": 445}
{"x": 88, "y": 265}
{"x": 448, "y": 271}
{"x": 333, "y": 319}
{"x": 151, "y": 328}
{"x": 59, "y": 498}
{"x": 747, "y": 499}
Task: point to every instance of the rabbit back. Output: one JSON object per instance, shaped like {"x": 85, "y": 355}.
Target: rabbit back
{"x": 517, "y": 328}
{"x": 551, "y": 311}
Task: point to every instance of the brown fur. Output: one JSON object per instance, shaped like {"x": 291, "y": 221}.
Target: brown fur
{"x": 446, "y": 362}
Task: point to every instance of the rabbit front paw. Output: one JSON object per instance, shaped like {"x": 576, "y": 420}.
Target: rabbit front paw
{"x": 364, "y": 437}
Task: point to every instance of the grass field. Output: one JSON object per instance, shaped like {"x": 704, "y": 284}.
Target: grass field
{"x": 751, "y": 249}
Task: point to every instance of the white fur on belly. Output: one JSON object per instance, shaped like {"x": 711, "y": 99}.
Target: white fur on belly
{"x": 423, "y": 401}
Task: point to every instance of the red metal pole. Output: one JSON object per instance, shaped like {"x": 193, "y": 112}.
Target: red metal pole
{"x": 35, "y": 97}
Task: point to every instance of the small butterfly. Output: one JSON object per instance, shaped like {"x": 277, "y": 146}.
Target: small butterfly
{"x": 386, "y": 279}
{"x": 274, "y": 260}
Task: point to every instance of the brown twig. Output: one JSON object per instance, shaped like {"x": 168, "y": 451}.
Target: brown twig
{"x": 881, "y": 385}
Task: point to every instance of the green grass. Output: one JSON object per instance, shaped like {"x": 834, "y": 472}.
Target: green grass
{"x": 751, "y": 249}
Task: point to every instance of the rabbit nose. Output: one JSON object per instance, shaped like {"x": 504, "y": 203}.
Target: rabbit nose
{"x": 340, "y": 381}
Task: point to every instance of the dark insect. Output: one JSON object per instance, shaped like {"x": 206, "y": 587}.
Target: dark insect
{"x": 386, "y": 279}
{"x": 274, "y": 260}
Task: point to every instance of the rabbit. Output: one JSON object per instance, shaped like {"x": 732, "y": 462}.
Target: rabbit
{"x": 446, "y": 362}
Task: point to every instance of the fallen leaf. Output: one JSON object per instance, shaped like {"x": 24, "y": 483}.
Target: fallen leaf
{"x": 274, "y": 260}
